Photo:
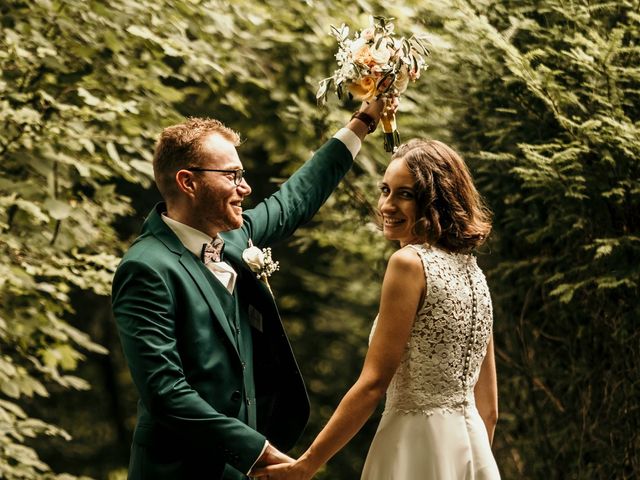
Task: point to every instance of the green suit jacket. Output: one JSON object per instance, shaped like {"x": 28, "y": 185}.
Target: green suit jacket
{"x": 176, "y": 325}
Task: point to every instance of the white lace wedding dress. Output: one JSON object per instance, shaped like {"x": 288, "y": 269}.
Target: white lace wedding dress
{"x": 430, "y": 428}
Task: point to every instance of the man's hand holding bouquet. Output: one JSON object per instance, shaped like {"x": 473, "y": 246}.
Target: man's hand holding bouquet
{"x": 373, "y": 64}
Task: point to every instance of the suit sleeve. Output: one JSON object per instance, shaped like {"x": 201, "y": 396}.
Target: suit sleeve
{"x": 142, "y": 306}
{"x": 300, "y": 197}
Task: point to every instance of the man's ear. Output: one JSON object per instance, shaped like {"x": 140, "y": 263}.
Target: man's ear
{"x": 186, "y": 182}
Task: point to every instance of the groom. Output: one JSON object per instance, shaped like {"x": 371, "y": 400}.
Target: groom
{"x": 220, "y": 390}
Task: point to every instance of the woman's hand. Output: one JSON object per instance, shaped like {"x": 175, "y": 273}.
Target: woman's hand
{"x": 283, "y": 471}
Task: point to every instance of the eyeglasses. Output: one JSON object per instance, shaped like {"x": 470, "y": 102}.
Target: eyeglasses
{"x": 238, "y": 174}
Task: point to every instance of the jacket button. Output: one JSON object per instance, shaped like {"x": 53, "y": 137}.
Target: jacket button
{"x": 235, "y": 396}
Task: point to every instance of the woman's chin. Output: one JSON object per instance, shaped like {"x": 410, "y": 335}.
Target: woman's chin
{"x": 390, "y": 235}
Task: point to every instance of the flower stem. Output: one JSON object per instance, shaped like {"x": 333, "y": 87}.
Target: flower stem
{"x": 391, "y": 141}
{"x": 391, "y": 135}
{"x": 265, "y": 279}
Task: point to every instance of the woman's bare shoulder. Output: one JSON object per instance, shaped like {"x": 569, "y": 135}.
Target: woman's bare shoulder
{"x": 405, "y": 260}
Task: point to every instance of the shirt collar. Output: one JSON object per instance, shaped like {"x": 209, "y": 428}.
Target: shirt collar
{"x": 190, "y": 237}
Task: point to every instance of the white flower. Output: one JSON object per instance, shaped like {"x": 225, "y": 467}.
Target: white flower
{"x": 357, "y": 45}
{"x": 368, "y": 33}
{"x": 260, "y": 262}
{"x": 380, "y": 55}
{"x": 254, "y": 257}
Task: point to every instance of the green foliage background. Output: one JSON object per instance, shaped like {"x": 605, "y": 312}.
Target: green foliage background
{"x": 541, "y": 97}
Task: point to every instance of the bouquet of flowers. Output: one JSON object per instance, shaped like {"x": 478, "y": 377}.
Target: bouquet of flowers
{"x": 375, "y": 64}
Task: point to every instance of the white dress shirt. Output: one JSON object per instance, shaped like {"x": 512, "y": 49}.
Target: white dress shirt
{"x": 193, "y": 240}
{"x": 350, "y": 140}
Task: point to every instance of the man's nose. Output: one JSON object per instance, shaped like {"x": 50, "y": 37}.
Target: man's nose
{"x": 244, "y": 188}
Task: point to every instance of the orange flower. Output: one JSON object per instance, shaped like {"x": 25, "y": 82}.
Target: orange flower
{"x": 361, "y": 54}
{"x": 364, "y": 89}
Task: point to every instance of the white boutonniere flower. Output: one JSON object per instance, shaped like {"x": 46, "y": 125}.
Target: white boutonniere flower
{"x": 260, "y": 262}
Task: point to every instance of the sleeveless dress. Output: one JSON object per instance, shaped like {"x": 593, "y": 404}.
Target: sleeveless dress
{"x": 430, "y": 428}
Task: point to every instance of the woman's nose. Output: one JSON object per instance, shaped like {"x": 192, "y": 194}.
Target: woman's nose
{"x": 387, "y": 204}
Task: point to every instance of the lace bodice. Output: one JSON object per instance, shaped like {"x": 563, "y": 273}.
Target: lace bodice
{"x": 449, "y": 338}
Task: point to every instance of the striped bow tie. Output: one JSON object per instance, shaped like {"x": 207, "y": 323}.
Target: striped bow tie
{"x": 212, "y": 252}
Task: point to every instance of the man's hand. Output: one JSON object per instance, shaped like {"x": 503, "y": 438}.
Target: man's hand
{"x": 376, "y": 109}
{"x": 381, "y": 107}
{"x": 272, "y": 456}
{"x": 284, "y": 471}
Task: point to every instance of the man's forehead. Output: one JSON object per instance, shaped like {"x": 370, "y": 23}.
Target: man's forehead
{"x": 220, "y": 151}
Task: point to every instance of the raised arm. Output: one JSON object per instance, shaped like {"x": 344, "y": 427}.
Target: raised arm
{"x": 402, "y": 291}
{"x": 302, "y": 195}
{"x": 486, "y": 391}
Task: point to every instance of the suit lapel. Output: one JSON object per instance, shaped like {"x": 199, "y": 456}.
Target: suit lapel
{"x": 194, "y": 268}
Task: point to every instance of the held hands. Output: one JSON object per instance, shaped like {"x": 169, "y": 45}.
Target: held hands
{"x": 284, "y": 471}
{"x": 271, "y": 456}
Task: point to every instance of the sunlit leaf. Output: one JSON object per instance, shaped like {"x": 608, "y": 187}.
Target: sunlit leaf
{"x": 57, "y": 209}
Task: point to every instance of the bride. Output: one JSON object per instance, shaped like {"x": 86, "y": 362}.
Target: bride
{"x": 431, "y": 346}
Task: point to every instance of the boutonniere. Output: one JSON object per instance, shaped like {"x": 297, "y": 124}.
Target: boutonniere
{"x": 260, "y": 262}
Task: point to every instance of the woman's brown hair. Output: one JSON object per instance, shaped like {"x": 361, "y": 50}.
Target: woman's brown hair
{"x": 450, "y": 212}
